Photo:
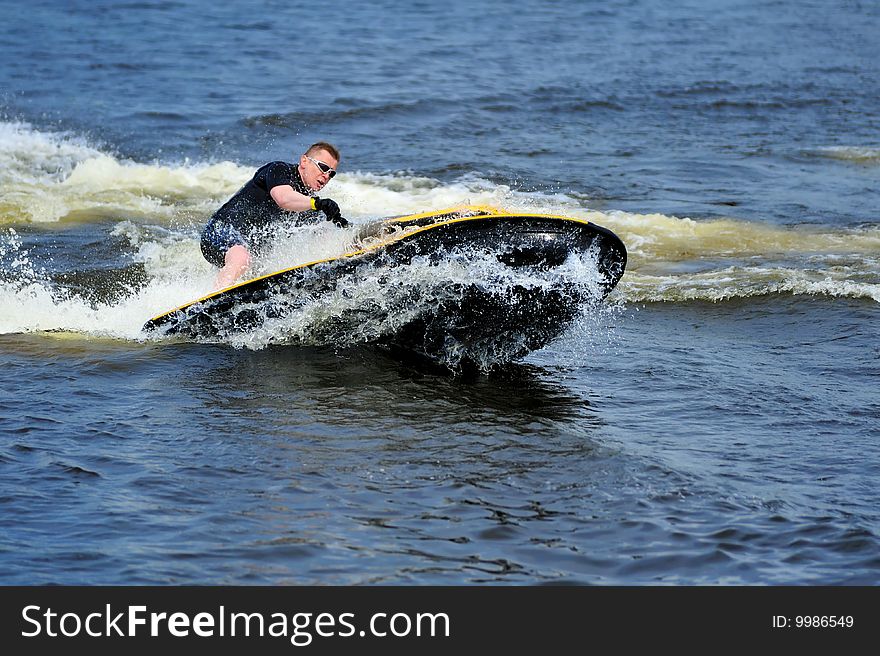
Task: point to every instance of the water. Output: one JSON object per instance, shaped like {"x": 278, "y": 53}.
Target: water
{"x": 716, "y": 422}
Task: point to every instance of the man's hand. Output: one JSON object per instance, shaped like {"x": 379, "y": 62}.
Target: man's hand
{"x": 331, "y": 211}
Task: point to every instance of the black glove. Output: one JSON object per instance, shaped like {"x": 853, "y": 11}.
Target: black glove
{"x": 331, "y": 211}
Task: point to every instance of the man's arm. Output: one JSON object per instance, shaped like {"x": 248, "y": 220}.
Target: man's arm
{"x": 293, "y": 201}
{"x": 289, "y": 199}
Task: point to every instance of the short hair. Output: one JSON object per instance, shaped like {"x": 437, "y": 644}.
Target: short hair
{"x": 323, "y": 145}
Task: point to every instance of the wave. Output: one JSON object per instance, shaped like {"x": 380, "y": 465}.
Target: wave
{"x": 50, "y": 177}
{"x": 333, "y": 115}
{"x": 373, "y": 303}
{"x": 57, "y": 178}
{"x": 154, "y": 212}
{"x": 858, "y": 154}
{"x": 741, "y": 282}
{"x": 681, "y": 259}
{"x": 174, "y": 273}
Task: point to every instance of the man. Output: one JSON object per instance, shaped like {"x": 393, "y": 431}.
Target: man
{"x": 248, "y": 220}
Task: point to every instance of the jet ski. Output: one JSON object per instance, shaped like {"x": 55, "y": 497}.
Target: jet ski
{"x": 533, "y": 274}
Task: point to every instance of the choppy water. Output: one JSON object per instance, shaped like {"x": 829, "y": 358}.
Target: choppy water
{"x": 715, "y": 422}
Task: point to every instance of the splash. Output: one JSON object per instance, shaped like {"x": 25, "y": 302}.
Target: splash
{"x": 31, "y": 300}
{"x": 157, "y": 209}
{"x": 60, "y": 178}
{"x": 449, "y": 306}
{"x": 48, "y": 177}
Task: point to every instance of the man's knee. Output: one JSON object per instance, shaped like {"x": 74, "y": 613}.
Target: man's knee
{"x": 238, "y": 257}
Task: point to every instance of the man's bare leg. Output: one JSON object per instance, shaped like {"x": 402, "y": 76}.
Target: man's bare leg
{"x": 237, "y": 261}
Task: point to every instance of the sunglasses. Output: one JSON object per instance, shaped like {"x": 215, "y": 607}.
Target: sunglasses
{"x": 325, "y": 168}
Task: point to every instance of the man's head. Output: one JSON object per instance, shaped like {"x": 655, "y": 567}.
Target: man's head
{"x": 318, "y": 164}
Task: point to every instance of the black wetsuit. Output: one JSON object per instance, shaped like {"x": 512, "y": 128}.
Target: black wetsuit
{"x": 251, "y": 216}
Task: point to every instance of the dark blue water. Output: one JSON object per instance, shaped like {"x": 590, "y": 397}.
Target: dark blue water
{"x": 686, "y": 109}
{"x": 716, "y": 423}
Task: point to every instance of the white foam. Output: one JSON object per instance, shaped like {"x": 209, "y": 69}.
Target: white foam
{"x": 367, "y": 195}
{"x": 160, "y": 207}
{"x": 48, "y": 177}
{"x": 744, "y": 282}
{"x": 858, "y": 154}
{"x": 376, "y": 302}
{"x": 29, "y": 156}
